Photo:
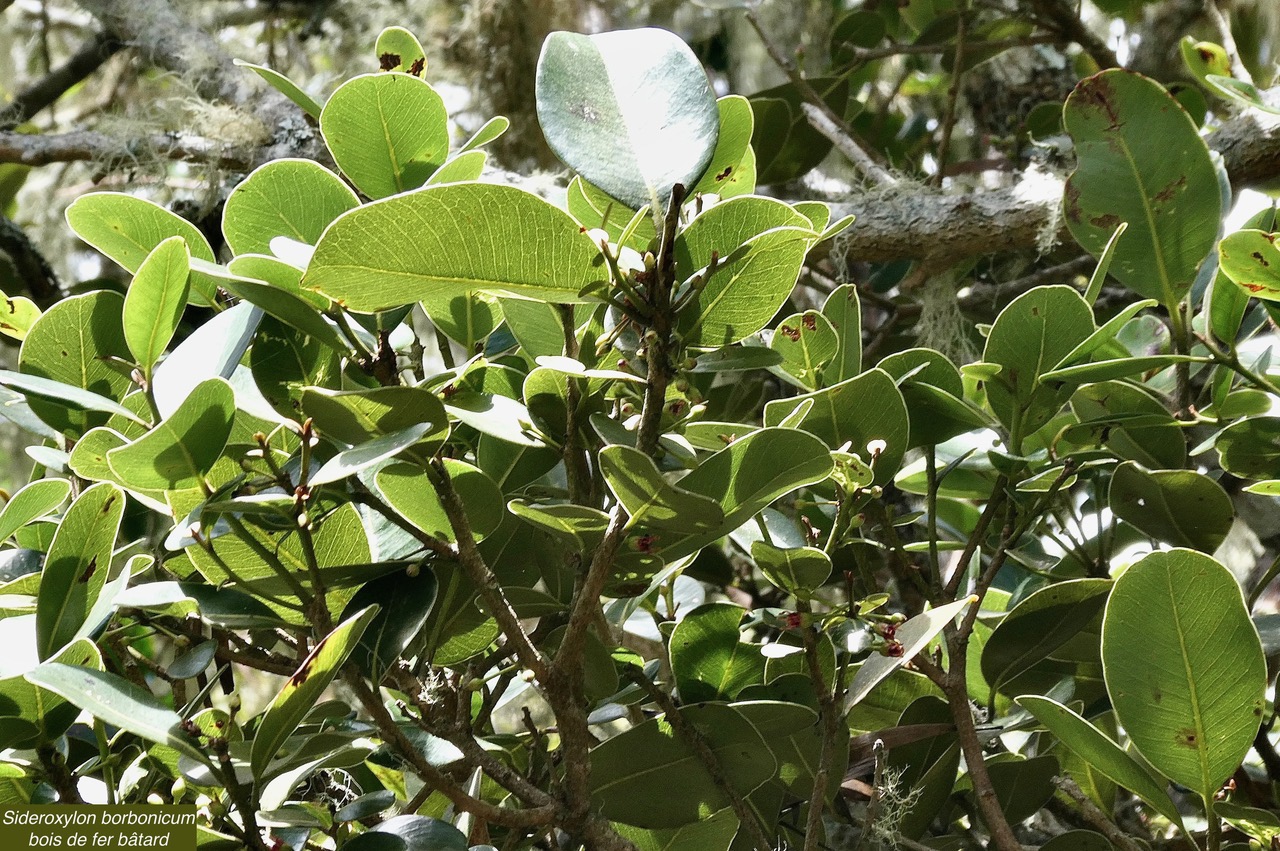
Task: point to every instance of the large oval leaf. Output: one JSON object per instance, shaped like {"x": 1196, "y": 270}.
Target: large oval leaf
{"x": 1040, "y": 624}
{"x": 1140, "y": 160}
{"x": 1184, "y": 666}
{"x": 293, "y": 198}
{"x": 387, "y": 132}
{"x": 183, "y": 447}
{"x": 454, "y": 239}
{"x": 631, "y": 111}
{"x": 709, "y": 659}
{"x": 1179, "y": 507}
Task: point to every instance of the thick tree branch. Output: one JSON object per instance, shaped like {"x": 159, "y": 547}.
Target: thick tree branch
{"x": 166, "y": 39}
{"x": 40, "y": 94}
{"x": 31, "y": 266}
{"x": 38, "y": 149}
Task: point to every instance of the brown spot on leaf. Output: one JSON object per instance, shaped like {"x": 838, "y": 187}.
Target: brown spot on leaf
{"x": 387, "y": 61}
{"x": 728, "y": 170}
{"x": 810, "y": 322}
{"x": 302, "y": 673}
{"x": 1257, "y": 255}
{"x": 1107, "y": 221}
{"x": 1172, "y": 189}
{"x": 1206, "y": 55}
{"x": 792, "y": 334}
{"x": 1254, "y": 288}
{"x": 89, "y": 571}
{"x": 418, "y": 66}
{"x": 110, "y": 501}
{"x": 1186, "y": 737}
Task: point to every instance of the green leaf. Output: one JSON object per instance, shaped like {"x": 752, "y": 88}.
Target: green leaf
{"x": 17, "y": 315}
{"x": 1100, "y": 752}
{"x": 1030, "y": 336}
{"x": 286, "y": 87}
{"x": 858, "y": 411}
{"x": 736, "y": 359}
{"x": 303, "y": 690}
{"x": 714, "y": 833}
{"x": 1251, "y": 259}
{"x": 1184, "y": 667}
{"x": 1105, "y": 334}
{"x": 214, "y": 350}
{"x": 467, "y": 318}
{"x": 749, "y": 474}
{"x": 71, "y": 397}
{"x": 1022, "y": 786}
{"x": 403, "y": 601}
{"x": 117, "y": 702}
{"x": 387, "y": 132}
{"x": 1240, "y": 91}
{"x": 807, "y": 342}
{"x": 1039, "y": 625}
{"x": 1180, "y": 507}
{"x": 933, "y": 392}
{"x": 127, "y": 229}
{"x": 363, "y": 456}
{"x": 408, "y": 490}
{"x": 31, "y": 716}
{"x": 579, "y": 525}
{"x": 288, "y": 197}
{"x": 32, "y": 502}
{"x": 760, "y": 245}
{"x": 648, "y": 777}
{"x": 398, "y": 49}
{"x": 454, "y": 239}
{"x": 914, "y": 635}
{"x": 1107, "y": 370}
{"x": 844, "y": 311}
{"x": 796, "y": 570}
{"x": 1141, "y": 160}
{"x": 292, "y": 308}
{"x": 358, "y": 416}
{"x": 492, "y": 129}
{"x": 1250, "y": 448}
{"x": 70, "y": 344}
{"x": 786, "y": 145}
{"x": 709, "y": 659}
{"x": 732, "y": 170}
{"x": 178, "y": 452}
{"x": 649, "y": 499}
{"x": 75, "y": 569}
{"x": 156, "y": 299}
{"x": 632, "y": 111}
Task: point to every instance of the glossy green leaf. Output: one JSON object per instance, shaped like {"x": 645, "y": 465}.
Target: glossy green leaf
{"x": 732, "y": 170}
{"x": 752, "y": 277}
{"x": 490, "y": 131}
{"x": 648, "y": 777}
{"x": 632, "y": 111}
{"x": 404, "y": 602}
{"x": 649, "y": 499}
{"x": 709, "y": 659}
{"x": 713, "y": 833}
{"x": 408, "y": 490}
{"x": 286, "y": 87}
{"x": 843, "y": 309}
{"x": 156, "y": 299}
{"x": 89, "y": 329}
{"x": 348, "y": 462}
{"x": 32, "y": 502}
{"x": 580, "y": 525}
{"x": 1039, "y": 625}
{"x": 357, "y": 416}
{"x": 858, "y": 411}
{"x": 387, "y": 132}
{"x": 398, "y": 49}
{"x": 1240, "y": 91}
{"x": 796, "y": 570}
{"x": 749, "y": 474}
{"x": 178, "y": 452}
{"x": 1030, "y": 336}
{"x": 1083, "y": 738}
{"x": 288, "y": 197}
{"x": 453, "y": 239}
{"x": 459, "y": 627}
{"x": 1179, "y": 507}
{"x": 301, "y": 692}
{"x": 786, "y": 145}
{"x": 736, "y": 359}
{"x": 293, "y": 309}
{"x": 214, "y": 350}
{"x": 914, "y": 635}
{"x": 1022, "y": 786}
{"x": 17, "y": 315}
{"x": 31, "y": 716}
{"x": 1184, "y": 666}
{"x": 1141, "y": 160}
{"x": 1251, "y": 259}
{"x": 127, "y": 229}
{"x": 1250, "y": 448}
{"x": 808, "y": 342}
{"x": 75, "y": 570}
{"x": 118, "y": 702}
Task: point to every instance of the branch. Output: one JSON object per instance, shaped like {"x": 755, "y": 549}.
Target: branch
{"x": 166, "y": 39}
{"x": 31, "y": 265}
{"x": 941, "y": 229}
{"x": 1065, "y": 19}
{"x": 41, "y": 94}
{"x": 39, "y": 149}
